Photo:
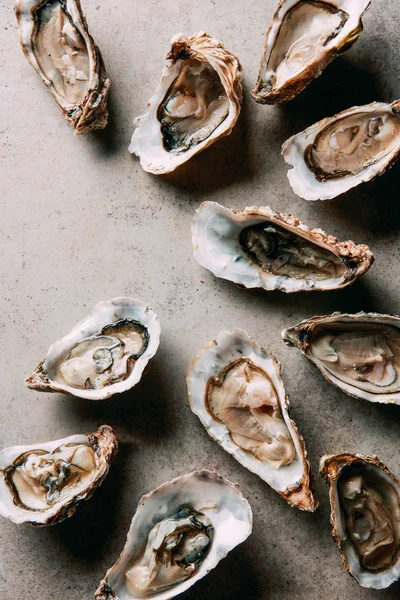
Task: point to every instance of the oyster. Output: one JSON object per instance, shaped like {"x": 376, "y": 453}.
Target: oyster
{"x": 56, "y": 41}
{"x": 236, "y": 390}
{"x": 43, "y": 484}
{"x": 304, "y": 37}
{"x": 257, "y": 247}
{"x": 359, "y": 353}
{"x": 365, "y": 516}
{"x": 179, "y": 533}
{"x": 104, "y": 354}
{"x": 197, "y": 102}
{"x": 340, "y": 152}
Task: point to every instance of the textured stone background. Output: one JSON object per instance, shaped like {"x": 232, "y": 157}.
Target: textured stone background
{"x": 81, "y": 222}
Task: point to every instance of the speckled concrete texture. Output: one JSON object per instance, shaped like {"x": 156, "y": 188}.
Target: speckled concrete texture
{"x": 81, "y": 222}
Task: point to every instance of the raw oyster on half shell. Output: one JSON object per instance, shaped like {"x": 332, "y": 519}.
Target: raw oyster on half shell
{"x": 257, "y": 247}
{"x": 359, "y": 353}
{"x": 179, "y": 532}
{"x": 104, "y": 354}
{"x": 43, "y": 484}
{"x": 236, "y": 390}
{"x": 197, "y": 102}
{"x": 340, "y": 152}
{"x": 304, "y": 37}
{"x": 365, "y": 516}
{"x": 56, "y": 41}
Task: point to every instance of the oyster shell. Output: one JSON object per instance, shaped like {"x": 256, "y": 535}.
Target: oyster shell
{"x": 359, "y": 353}
{"x": 43, "y": 484}
{"x": 56, "y": 41}
{"x": 257, "y": 247}
{"x": 365, "y": 517}
{"x": 104, "y": 354}
{"x": 197, "y": 101}
{"x": 236, "y": 390}
{"x": 340, "y": 152}
{"x": 304, "y": 37}
{"x": 179, "y": 532}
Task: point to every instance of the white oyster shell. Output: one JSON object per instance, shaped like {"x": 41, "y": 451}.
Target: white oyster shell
{"x": 56, "y": 41}
{"x": 369, "y": 359}
{"x": 108, "y": 365}
{"x": 148, "y": 140}
{"x": 292, "y": 480}
{"x": 304, "y": 37}
{"x": 310, "y": 184}
{"x": 375, "y": 514}
{"x": 215, "y": 238}
{"x": 206, "y": 492}
{"x": 102, "y": 448}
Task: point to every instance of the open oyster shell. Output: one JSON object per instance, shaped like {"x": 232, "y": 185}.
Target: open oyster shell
{"x": 359, "y": 353}
{"x": 303, "y": 38}
{"x": 340, "y": 152}
{"x": 56, "y": 41}
{"x": 257, "y": 247}
{"x": 197, "y": 101}
{"x": 365, "y": 516}
{"x": 43, "y": 484}
{"x": 179, "y": 532}
{"x": 236, "y": 390}
{"x": 104, "y": 354}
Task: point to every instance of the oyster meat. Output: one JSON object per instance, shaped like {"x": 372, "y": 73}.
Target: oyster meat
{"x": 43, "y": 484}
{"x": 340, "y": 152}
{"x": 179, "y": 533}
{"x": 257, "y": 247}
{"x": 56, "y": 41}
{"x": 103, "y": 355}
{"x": 359, "y": 353}
{"x": 304, "y": 37}
{"x": 365, "y": 516}
{"x": 236, "y": 390}
{"x": 197, "y": 102}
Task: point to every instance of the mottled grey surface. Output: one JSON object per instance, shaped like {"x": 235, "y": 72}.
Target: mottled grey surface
{"x": 81, "y": 222}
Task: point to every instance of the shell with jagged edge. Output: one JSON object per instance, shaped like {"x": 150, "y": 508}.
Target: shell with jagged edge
{"x": 197, "y": 102}
{"x": 365, "y": 511}
{"x": 29, "y": 490}
{"x": 56, "y": 41}
{"x": 259, "y": 248}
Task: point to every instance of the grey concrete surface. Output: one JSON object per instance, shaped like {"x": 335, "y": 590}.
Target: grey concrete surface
{"x": 81, "y": 222}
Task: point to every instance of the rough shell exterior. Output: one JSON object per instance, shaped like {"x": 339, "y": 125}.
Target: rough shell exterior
{"x": 265, "y": 94}
{"x": 331, "y": 467}
{"x": 103, "y": 314}
{"x": 104, "y": 443}
{"x": 357, "y": 258}
{"x": 92, "y": 112}
{"x": 147, "y": 138}
{"x": 301, "y": 177}
{"x": 299, "y": 336}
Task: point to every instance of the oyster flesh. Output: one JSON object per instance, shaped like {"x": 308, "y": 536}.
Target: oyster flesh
{"x": 43, "y": 484}
{"x": 365, "y": 516}
{"x": 304, "y": 37}
{"x": 56, "y": 41}
{"x": 236, "y": 390}
{"x": 179, "y": 533}
{"x": 359, "y": 353}
{"x": 257, "y": 247}
{"x": 104, "y": 354}
{"x": 197, "y": 102}
{"x": 340, "y": 152}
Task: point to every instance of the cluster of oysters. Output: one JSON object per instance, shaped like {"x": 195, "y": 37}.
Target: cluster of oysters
{"x": 182, "y": 529}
